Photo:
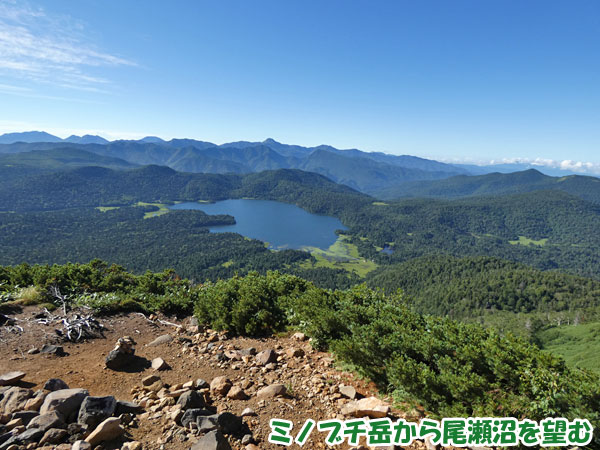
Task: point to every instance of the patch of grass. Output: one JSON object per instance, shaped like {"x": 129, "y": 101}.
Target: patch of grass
{"x": 162, "y": 209}
{"x": 341, "y": 255}
{"x": 106, "y": 208}
{"x": 228, "y": 263}
{"x": 526, "y": 241}
{"x": 380, "y": 204}
{"x": 31, "y": 295}
{"x": 579, "y": 345}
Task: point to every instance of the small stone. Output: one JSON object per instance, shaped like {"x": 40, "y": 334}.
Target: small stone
{"x": 107, "y": 431}
{"x": 371, "y": 407}
{"x": 247, "y": 439}
{"x": 124, "y": 407}
{"x": 265, "y": 357}
{"x": 14, "y": 399}
{"x": 150, "y": 380}
{"x": 160, "y": 364}
{"x": 237, "y": 393}
{"x": 273, "y": 390}
{"x": 248, "y": 412}
{"x": 11, "y": 378}
{"x": 220, "y": 385}
{"x": 347, "y": 391}
{"x": 14, "y": 423}
{"x": 201, "y": 384}
{"x": 294, "y": 352}
{"x": 133, "y": 445}
{"x": 164, "y": 339}
{"x": 299, "y": 336}
{"x": 81, "y": 445}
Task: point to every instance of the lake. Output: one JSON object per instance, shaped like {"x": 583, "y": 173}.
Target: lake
{"x": 280, "y": 224}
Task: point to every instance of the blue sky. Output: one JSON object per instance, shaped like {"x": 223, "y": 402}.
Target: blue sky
{"x": 466, "y": 80}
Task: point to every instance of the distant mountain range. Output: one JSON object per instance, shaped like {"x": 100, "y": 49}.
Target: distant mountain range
{"x": 378, "y": 174}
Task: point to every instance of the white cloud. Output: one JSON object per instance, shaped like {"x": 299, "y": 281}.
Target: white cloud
{"x": 584, "y": 167}
{"x": 42, "y": 47}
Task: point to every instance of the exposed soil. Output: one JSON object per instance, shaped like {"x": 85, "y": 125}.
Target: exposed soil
{"x": 312, "y": 379}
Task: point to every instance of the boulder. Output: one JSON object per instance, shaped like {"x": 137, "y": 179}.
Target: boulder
{"x": 191, "y": 400}
{"x": 370, "y": 406}
{"x": 14, "y": 399}
{"x": 54, "y": 436}
{"x": 11, "y": 378}
{"x": 106, "y": 431}
{"x": 274, "y": 390}
{"x": 133, "y": 445}
{"x": 46, "y": 421}
{"x": 55, "y": 384}
{"x": 220, "y": 385}
{"x": 213, "y": 440}
{"x": 94, "y": 410}
{"x": 51, "y": 349}
{"x": 64, "y": 401}
{"x": 265, "y": 357}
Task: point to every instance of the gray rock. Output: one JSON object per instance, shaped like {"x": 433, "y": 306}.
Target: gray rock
{"x": 14, "y": 399}
{"x": 228, "y": 423}
{"x": 191, "y": 416}
{"x": 206, "y": 423}
{"x": 265, "y": 357}
{"x": 27, "y": 436}
{"x": 191, "y": 400}
{"x": 64, "y": 401}
{"x": 164, "y": 339}
{"x": 118, "y": 359}
{"x": 201, "y": 384}
{"x": 54, "y": 436}
{"x": 46, "y": 421}
{"x": 124, "y": 407}
{"x": 50, "y": 349}
{"x": 10, "y": 378}
{"x": 55, "y": 384}
{"x": 250, "y": 351}
{"x": 94, "y": 410}
{"x": 213, "y": 440}
{"x": 25, "y": 416}
{"x": 247, "y": 439}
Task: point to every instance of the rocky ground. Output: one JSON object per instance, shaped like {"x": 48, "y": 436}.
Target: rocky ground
{"x": 169, "y": 385}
